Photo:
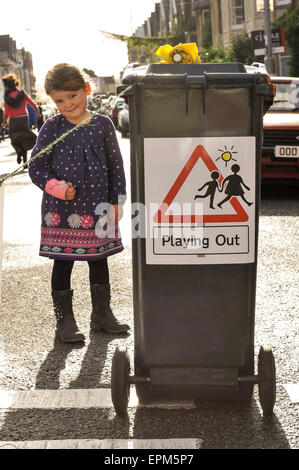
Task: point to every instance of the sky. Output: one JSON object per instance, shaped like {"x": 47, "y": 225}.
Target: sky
{"x": 68, "y": 31}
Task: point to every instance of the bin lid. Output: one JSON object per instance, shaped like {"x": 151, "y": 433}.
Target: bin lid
{"x": 221, "y": 74}
{"x": 182, "y": 69}
{"x": 196, "y": 69}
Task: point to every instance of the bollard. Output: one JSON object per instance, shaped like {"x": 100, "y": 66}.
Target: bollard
{"x": 1, "y": 232}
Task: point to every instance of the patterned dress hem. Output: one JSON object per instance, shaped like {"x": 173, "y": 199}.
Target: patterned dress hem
{"x": 79, "y": 257}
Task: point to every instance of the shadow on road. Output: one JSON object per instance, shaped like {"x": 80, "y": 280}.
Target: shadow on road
{"x": 91, "y": 367}
{"x": 49, "y": 372}
{"x": 93, "y": 362}
{"x": 215, "y": 425}
{"x": 280, "y": 198}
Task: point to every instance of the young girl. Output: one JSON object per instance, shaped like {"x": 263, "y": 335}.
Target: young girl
{"x": 80, "y": 172}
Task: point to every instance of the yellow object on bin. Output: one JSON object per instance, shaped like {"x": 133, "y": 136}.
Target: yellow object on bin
{"x": 181, "y": 54}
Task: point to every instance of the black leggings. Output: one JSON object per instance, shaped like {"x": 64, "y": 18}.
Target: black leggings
{"x": 62, "y": 270}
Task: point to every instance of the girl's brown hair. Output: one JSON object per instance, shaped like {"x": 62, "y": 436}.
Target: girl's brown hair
{"x": 11, "y": 81}
{"x": 64, "y": 77}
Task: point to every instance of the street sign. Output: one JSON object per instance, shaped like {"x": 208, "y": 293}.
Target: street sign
{"x": 281, "y": 3}
{"x": 199, "y": 197}
{"x": 258, "y": 40}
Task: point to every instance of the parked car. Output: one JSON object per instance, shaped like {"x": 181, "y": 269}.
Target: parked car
{"x": 106, "y": 105}
{"x": 280, "y": 151}
{"x": 48, "y": 111}
{"x": 115, "y": 107}
{"x": 123, "y": 120}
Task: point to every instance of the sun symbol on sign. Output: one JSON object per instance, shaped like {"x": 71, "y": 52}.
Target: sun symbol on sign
{"x": 226, "y": 155}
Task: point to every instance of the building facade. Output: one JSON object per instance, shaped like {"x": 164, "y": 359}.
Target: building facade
{"x": 211, "y": 22}
{"x": 170, "y": 18}
{"x": 221, "y": 20}
{"x": 103, "y": 85}
{"x": 167, "y": 17}
{"x": 232, "y": 17}
{"x": 16, "y": 61}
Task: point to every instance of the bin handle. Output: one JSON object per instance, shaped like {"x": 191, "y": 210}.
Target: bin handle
{"x": 216, "y": 79}
{"x": 160, "y": 78}
{"x": 199, "y": 80}
{"x": 195, "y": 80}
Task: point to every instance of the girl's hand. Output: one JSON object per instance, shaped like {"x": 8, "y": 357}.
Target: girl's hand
{"x": 116, "y": 213}
{"x": 70, "y": 192}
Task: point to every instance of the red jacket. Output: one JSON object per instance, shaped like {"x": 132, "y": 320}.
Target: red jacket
{"x": 10, "y": 112}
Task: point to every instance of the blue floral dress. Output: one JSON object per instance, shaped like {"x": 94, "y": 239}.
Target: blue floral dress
{"x": 90, "y": 158}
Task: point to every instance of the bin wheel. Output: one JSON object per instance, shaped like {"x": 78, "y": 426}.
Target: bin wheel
{"x": 120, "y": 387}
{"x": 267, "y": 380}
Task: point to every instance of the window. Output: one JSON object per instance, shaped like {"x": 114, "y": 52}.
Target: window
{"x": 205, "y": 16}
{"x": 260, "y": 6}
{"x": 237, "y": 13}
{"x": 286, "y": 98}
{"x": 206, "y": 28}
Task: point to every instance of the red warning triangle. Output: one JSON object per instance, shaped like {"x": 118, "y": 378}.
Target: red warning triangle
{"x": 160, "y": 217}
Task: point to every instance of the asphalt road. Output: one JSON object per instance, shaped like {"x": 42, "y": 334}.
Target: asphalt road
{"x": 32, "y": 360}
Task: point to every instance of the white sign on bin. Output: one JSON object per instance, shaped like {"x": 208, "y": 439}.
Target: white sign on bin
{"x": 200, "y": 200}
{"x": 1, "y": 233}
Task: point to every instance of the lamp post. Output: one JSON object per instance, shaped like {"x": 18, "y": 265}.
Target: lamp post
{"x": 267, "y": 19}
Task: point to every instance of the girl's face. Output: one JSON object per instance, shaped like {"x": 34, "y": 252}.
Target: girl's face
{"x": 71, "y": 104}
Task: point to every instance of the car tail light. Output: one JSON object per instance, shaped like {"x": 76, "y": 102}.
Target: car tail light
{"x": 272, "y": 84}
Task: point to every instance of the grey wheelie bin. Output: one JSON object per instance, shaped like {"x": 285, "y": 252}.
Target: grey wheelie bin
{"x": 196, "y": 136}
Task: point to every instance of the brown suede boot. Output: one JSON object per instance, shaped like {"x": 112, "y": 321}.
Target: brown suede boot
{"x": 102, "y": 317}
{"x": 66, "y": 324}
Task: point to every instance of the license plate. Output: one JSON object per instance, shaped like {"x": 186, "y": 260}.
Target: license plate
{"x": 286, "y": 151}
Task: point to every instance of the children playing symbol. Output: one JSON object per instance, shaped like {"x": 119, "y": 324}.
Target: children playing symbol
{"x": 211, "y": 188}
{"x": 234, "y": 186}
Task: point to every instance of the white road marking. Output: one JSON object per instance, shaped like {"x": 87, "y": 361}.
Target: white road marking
{"x": 91, "y": 398}
{"x": 84, "y": 398}
{"x": 73, "y": 398}
{"x": 104, "y": 444}
{"x": 293, "y": 392}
